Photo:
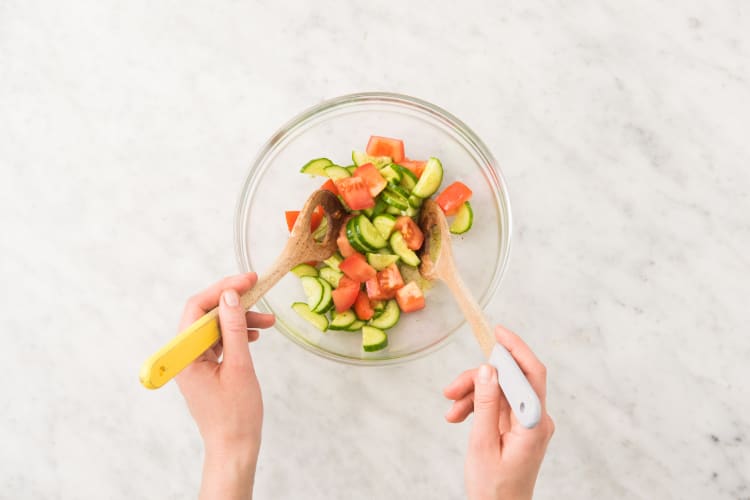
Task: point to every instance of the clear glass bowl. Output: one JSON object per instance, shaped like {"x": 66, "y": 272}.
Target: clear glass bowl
{"x": 332, "y": 129}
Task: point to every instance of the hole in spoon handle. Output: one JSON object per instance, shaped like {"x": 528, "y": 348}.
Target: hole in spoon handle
{"x": 518, "y": 391}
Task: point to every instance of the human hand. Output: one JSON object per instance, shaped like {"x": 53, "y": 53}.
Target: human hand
{"x": 503, "y": 458}
{"x": 224, "y": 397}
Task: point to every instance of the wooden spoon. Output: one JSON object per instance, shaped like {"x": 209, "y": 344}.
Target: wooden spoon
{"x": 205, "y": 332}
{"x": 437, "y": 263}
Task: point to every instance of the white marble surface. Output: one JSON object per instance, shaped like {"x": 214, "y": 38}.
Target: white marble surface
{"x": 622, "y": 128}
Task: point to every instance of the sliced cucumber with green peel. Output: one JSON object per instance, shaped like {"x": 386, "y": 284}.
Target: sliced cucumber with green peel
{"x": 331, "y": 275}
{"x": 390, "y": 173}
{"x": 378, "y": 209}
{"x": 430, "y": 181}
{"x": 321, "y": 230}
{"x": 367, "y": 233}
{"x": 408, "y": 179}
{"x": 356, "y": 326}
{"x": 464, "y": 219}
{"x": 335, "y": 172}
{"x": 304, "y": 270}
{"x": 415, "y": 201}
{"x": 398, "y": 244}
{"x": 351, "y": 168}
{"x": 389, "y": 317}
{"x": 326, "y": 303}
{"x": 313, "y": 291}
{"x": 373, "y": 339}
{"x": 341, "y": 321}
{"x": 395, "y": 199}
{"x": 384, "y": 223}
{"x": 359, "y": 158}
{"x": 318, "y": 320}
{"x": 334, "y": 260}
{"x": 355, "y": 239}
{"x": 379, "y": 261}
{"x": 316, "y": 166}
{"x": 398, "y": 189}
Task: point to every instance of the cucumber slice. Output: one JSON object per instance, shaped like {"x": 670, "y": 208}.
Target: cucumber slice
{"x": 355, "y": 240}
{"x": 415, "y": 201}
{"x": 313, "y": 291}
{"x": 367, "y": 233}
{"x": 408, "y": 179}
{"x": 390, "y": 173}
{"x": 430, "y": 181}
{"x": 331, "y": 275}
{"x": 379, "y": 261}
{"x": 316, "y": 167}
{"x": 359, "y": 158}
{"x": 395, "y": 199}
{"x": 373, "y": 339}
{"x": 410, "y": 212}
{"x": 398, "y": 244}
{"x": 341, "y": 321}
{"x": 321, "y": 230}
{"x": 392, "y": 210}
{"x": 384, "y": 224}
{"x": 389, "y": 318}
{"x": 378, "y": 209}
{"x": 351, "y": 169}
{"x": 356, "y": 326}
{"x": 378, "y": 306}
{"x": 304, "y": 270}
{"x": 326, "y": 302}
{"x": 334, "y": 260}
{"x": 464, "y": 219}
{"x": 318, "y": 320}
{"x": 335, "y": 172}
{"x": 398, "y": 189}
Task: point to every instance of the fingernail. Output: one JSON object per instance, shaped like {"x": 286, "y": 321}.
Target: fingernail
{"x": 485, "y": 373}
{"x": 231, "y": 298}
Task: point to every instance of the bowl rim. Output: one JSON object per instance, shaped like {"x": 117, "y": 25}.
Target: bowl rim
{"x": 456, "y": 125}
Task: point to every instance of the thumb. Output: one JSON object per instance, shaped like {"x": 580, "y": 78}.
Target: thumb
{"x": 485, "y": 433}
{"x": 233, "y": 329}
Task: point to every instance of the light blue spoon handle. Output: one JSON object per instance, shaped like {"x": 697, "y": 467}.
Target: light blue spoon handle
{"x": 520, "y": 395}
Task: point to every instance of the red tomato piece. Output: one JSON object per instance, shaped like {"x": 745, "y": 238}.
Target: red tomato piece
{"x": 362, "y": 307}
{"x": 345, "y": 294}
{"x": 416, "y": 166}
{"x": 410, "y": 298}
{"x": 374, "y": 292}
{"x": 410, "y": 231}
{"x": 355, "y": 192}
{"x": 386, "y": 146}
{"x": 356, "y": 267}
{"x": 452, "y": 197}
{"x": 345, "y": 247}
{"x": 330, "y": 186}
{"x": 372, "y": 177}
{"x": 315, "y": 218}
{"x": 390, "y": 280}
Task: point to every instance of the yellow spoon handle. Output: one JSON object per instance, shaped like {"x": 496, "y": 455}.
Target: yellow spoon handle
{"x": 181, "y": 351}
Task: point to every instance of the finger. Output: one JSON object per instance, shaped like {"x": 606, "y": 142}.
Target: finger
{"x": 202, "y": 302}
{"x": 259, "y": 320}
{"x": 233, "y": 330}
{"x": 460, "y": 387}
{"x": 461, "y": 409}
{"x": 485, "y": 436}
{"x": 530, "y": 365}
{"x": 253, "y": 335}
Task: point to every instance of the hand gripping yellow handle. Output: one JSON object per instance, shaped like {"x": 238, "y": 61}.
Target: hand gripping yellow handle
{"x": 181, "y": 351}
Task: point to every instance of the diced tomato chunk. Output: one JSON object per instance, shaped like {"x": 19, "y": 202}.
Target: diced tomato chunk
{"x": 315, "y": 218}
{"x": 372, "y": 177}
{"x": 374, "y": 292}
{"x": 386, "y": 146}
{"x": 410, "y": 298}
{"x": 410, "y": 231}
{"x": 345, "y": 294}
{"x": 416, "y": 166}
{"x": 452, "y": 197}
{"x": 356, "y": 267}
{"x": 355, "y": 192}
{"x": 390, "y": 280}
{"x": 362, "y": 307}
{"x": 330, "y": 186}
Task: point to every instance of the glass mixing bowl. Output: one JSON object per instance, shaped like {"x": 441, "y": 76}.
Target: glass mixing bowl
{"x": 332, "y": 130}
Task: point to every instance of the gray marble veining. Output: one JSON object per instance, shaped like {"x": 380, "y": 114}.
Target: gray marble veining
{"x": 126, "y": 130}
